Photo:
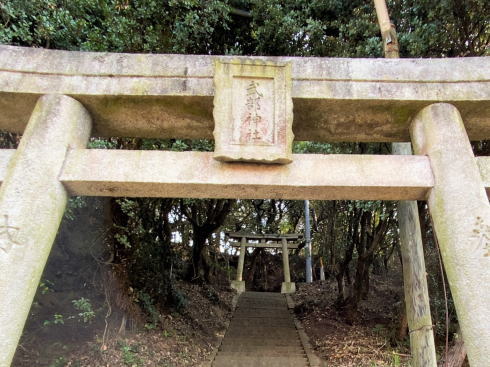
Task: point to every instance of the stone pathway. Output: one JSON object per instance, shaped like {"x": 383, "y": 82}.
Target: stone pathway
{"x": 262, "y": 332}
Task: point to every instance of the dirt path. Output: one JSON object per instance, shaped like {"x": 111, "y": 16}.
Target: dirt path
{"x": 262, "y": 332}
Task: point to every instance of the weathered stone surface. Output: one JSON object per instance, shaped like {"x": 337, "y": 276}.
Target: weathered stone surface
{"x": 483, "y": 164}
{"x": 253, "y": 111}
{"x": 288, "y": 287}
{"x": 32, "y": 202}
{"x": 171, "y": 96}
{"x": 111, "y": 173}
{"x": 238, "y": 285}
{"x": 198, "y": 175}
{"x": 291, "y": 246}
{"x": 93, "y": 172}
{"x": 461, "y": 215}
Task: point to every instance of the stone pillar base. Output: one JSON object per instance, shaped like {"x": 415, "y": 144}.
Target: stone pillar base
{"x": 238, "y": 285}
{"x": 288, "y": 287}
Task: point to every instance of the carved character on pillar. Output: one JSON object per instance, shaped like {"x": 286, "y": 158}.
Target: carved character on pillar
{"x": 482, "y": 235}
{"x": 8, "y": 235}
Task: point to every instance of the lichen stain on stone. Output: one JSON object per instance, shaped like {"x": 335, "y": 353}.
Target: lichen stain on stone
{"x": 140, "y": 88}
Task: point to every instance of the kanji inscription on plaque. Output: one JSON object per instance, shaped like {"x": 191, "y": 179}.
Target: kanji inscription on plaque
{"x": 253, "y": 111}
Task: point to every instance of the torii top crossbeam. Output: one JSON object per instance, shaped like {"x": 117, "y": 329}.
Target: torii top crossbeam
{"x": 171, "y": 96}
{"x": 274, "y": 240}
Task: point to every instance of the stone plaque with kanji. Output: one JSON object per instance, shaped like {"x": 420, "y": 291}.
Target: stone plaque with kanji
{"x": 253, "y": 111}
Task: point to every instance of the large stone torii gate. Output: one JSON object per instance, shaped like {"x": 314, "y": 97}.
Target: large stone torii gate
{"x": 59, "y": 99}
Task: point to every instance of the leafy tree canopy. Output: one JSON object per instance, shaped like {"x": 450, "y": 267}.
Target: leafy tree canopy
{"x": 254, "y": 27}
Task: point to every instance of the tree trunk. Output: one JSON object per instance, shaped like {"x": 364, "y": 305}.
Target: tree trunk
{"x": 253, "y": 265}
{"x": 205, "y": 216}
{"x": 342, "y": 272}
{"x": 361, "y": 280}
{"x": 402, "y": 331}
{"x": 363, "y": 264}
{"x": 367, "y": 241}
{"x": 340, "y": 286}
{"x": 197, "y": 267}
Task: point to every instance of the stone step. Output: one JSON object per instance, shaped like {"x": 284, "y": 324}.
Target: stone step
{"x": 256, "y": 323}
{"x": 269, "y": 319}
{"x": 261, "y": 333}
{"x": 261, "y": 328}
{"x": 290, "y": 350}
{"x": 261, "y": 295}
{"x": 259, "y": 347}
{"x": 271, "y": 334}
{"x": 238, "y": 335}
{"x": 261, "y": 342}
{"x": 260, "y": 299}
{"x": 277, "y": 327}
{"x": 265, "y": 323}
{"x": 263, "y": 315}
{"x": 261, "y": 303}
{"x": 262, "y": 354}
{"x": 259, "y": 362}
{"x": 255, "y": 307}
{"x": 263, "y": 312}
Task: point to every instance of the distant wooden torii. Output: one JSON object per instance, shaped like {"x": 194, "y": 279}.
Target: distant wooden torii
{"x": 283, "y": 241}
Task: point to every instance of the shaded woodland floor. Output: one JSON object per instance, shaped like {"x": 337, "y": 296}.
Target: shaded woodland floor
{"x": 369, "y": 341}
{"x": 190, "y": 336}
{"x": 184, "y": 338}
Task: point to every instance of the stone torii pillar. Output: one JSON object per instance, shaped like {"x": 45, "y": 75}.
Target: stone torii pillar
{"x": 239, "y": 284}
{"x": 287, "y": 286}
{"x": 461, "y": 216}
{"x": 32, "y": 202}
